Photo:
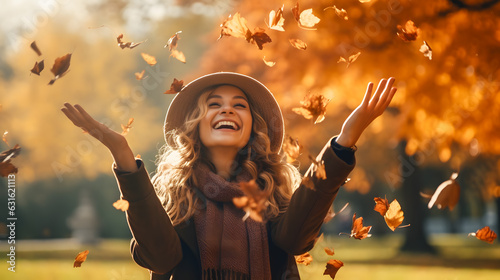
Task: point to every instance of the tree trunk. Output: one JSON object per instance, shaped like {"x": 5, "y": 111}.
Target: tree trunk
{"x": 415, "y": 211}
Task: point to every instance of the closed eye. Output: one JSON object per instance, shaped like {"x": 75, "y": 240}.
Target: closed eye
{"x": 214, "y": 105}
{"x": 240, "y": 105}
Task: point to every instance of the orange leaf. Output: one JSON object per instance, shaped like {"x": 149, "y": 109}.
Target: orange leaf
{"x": 276, "y": 19}
{"x": 6, "y": 167}
{"x": 35, "y": 48}
{"x": 332, "y": 266}
{"x": 350, "y": 59}
{"x": 358, "y": 231}
{"x": 298, "y": 44}
{"x": 318, "y": 168}
{"x": 121, "y": 204}
{"x": 313, "y": 107}
{"x": 485, "y": 234}
{"x": 139, "y": 76}
{"x": 38, "y": 67}
{"x": 175, "y": 87}
{"x": 60, "y": 67}
{"x": 4, "y": 138}
{"x": 268, "y": 63}
{"x": 256, "y": 200}
{"x": 129, "y": 45}
{"x": 304, "y": 259}
{"x": 409, "y": 32}
{"x": 426, "y": 50}
{"x": 126, "y": 128}
{"x": 80, "y": 258}
{"x": 394, "y": 215}
{"x": 259, "y": 37}
{"x": 292, "y": 148}
{"x": 446, "y": 194}
{"x": 307, "y": 20}
{"x": 340, "y": 12}
{"x": 178, "y": 55}
{"x": 329, "y": 251}
{"x": 381, "y": 205}
{"x": 172, "y": 42}
{"x": 235, "y": 26}
{"x": 151, "y": 60}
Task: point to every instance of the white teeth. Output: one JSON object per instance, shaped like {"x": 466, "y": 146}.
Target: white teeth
{"x": 219, "y": 124}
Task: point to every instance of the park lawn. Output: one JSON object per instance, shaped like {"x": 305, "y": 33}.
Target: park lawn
{"x": 372, "y": 258}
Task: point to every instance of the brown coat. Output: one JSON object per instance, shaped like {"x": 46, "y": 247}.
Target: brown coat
{"x": 168, "y": 250}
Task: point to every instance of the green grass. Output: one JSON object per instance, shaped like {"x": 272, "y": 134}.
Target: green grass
{"x": 373, "y": 258}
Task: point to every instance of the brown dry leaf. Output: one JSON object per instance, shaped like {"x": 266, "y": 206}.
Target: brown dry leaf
{"x": 485, "y": 234}
{"x": 359, "y": 231}
{"x": 80, "y": 258}
{"x": 276, "y": 19}
{"x": 292, "y": 148}
{"x": 304, "y": 259}
{"x": 6, "y": 167}
{"x": 236, "y": 26}
{"x": 35, "y": 48}
{"x": 447, "y": 194}
{"x": 172, "y": 41}
{"x": 350, "y": 59}
{"x": 381, "y": 205}
{"x": 38, "y": 68}
{"x": 129, "y": 45}
{"x": 121, "y": 204}
{"x": 318, "y": 168}
{"x": 329, "y": 251}
{"x": 298, "y": 44}
{"x": 178, "y": 55}
{"x": 4, "y": 138}
{"x": 126, "y": 128}
{"x": 151, "y": 60}
{"x": 175, "y": 87}
{"x": 394, "y": 215}
{"x": 332, "y": 266}
{"x": 254, "y": 202}
{"x": 60, "y": 67}
{"x": 426, "y": 50}
{"x": 409, "y": 32}
{"x": 140, "y": 76}
{"x": 259, "y": 37}
{"x": 340, "y": 12}
{"x": 313, "y": 107}
{"x": 268, "y": 63}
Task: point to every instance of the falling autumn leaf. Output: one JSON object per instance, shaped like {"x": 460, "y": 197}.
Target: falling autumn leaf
{"x": 6, "y": 167}
{"x": 60, "y": 67}
{"x": 121, "y": 204}
{"x": 381, "y": 205}
{"x": 298, "y": 44}
{"x": 259, "y": 37}
{"x": 38, "y": 68}
{"x": 276, "y": 19}
{"x": 140, "y": 76}
{"x": 236, "y": 26}
{"x": 178, "y": 55}
{"x": 359, "y": 231}
{"x": 175, "y": 87}
{"x": 394, "y": 215}
{"x": 129, "y": 45}
{"x": 172, "y": 41}
{"x": 485, "y": 234}
{"x": 292, "y": 149}
{"x": 254, "y": 202}
{"x": 151, "y": 60}
{"x": 268, "y": 63}
{"x": 313, "y": 107}
{"x": 332, "y": 266}
{"x": 350, "y": 59}
{"x": 305, "y": 19}
{"x": 4, "y": 138}
{"x": 426, "y": 50}
{"x": 35, "y": 48}
{"x": 447, "y": 194}
{"x": 318, "y": 168}
{"x": 80, "y": 258}
{"x": 409, "y": 32}
{"x": 329, "y": 251}
{"x": 340, "y": 12}
{"x": 126, "y": 128}
{"x": 304, "y": 259}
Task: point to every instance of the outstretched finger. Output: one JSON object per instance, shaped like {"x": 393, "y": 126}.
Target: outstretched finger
{"x": 72, "y": 114}
{"x": 84, "y": 114}
{"x": 390, "y": 96}
{"x": 368, "y": 94}
{"x": 378, "y": 92}
{"x": 387, "y": 91}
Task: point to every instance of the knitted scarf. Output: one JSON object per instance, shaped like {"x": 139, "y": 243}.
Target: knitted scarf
{"x": 230, "y": 248}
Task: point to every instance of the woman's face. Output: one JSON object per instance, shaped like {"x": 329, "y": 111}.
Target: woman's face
{"x": 228, "y": 122}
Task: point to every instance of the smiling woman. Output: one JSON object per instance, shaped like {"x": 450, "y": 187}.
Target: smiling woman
{"x": 223, "y": 135}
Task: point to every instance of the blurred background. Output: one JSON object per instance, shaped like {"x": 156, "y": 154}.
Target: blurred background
{"x": 444, "y": 119}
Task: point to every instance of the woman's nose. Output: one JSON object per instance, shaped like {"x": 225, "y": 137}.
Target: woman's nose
{"x": 226, "y": 109}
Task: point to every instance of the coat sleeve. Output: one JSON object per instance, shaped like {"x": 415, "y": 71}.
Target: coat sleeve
{"x": 155, "y": 244}
{"x": 295, "y": 230}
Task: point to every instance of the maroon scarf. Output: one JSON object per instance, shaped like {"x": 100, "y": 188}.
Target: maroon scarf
{"x": 230, "y": 248}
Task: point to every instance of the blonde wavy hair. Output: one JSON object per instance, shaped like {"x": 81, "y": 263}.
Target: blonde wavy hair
{"x": 183, "y": 151}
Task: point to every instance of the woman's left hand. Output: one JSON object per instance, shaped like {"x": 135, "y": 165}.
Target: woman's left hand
{"x": 366, "y": 112}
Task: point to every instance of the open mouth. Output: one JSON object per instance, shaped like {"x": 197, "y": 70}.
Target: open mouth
{"x": 226, "y": 125}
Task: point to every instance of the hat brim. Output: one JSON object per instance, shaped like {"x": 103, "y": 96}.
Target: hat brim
{"x": 258, "y": 94}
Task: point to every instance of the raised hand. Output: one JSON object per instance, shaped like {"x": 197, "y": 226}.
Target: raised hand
{"x": 114, "y": 141}
{"x": 370, "y": 108}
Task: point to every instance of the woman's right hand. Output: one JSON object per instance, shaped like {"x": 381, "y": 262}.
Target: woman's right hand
{"x": 114, "y": 141}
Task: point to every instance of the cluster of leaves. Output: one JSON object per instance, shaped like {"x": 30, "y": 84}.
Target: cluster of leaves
{"x": 59, "y": 69}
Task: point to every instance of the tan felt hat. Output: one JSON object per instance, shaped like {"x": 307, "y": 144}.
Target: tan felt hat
{"x": 257, "y": 93}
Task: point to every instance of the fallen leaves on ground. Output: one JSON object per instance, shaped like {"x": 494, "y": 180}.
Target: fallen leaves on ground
{"x": 332, "y": 267}
{"x": 485, "y": 234}
{"x": 304, "y": 259}
{"x": 80, "y": 258}
{"x": 121, "y": 204}
{"x": 313, "y": 106}
{"x": 254, "y": 202}
{"x": 447, "y": 194}
{"x": 175, "y": 87}
{"x": 60, "y": 67}
{"x": 409, "y": 32}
